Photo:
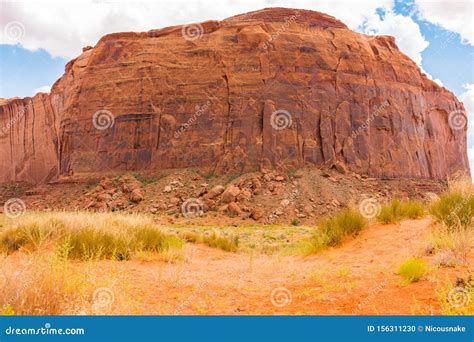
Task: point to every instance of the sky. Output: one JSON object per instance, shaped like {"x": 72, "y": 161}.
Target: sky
{"x": 37, "y": 37}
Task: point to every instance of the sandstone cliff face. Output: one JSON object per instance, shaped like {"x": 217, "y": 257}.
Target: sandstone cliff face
{"x": 272, "y": 87}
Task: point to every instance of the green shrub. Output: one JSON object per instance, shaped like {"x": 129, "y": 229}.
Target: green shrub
{"x": 413, "y": 269}
{"x": 214, "y": 240}
{"x": 331, "y": 231}
{"x": 30, "y": 235}
{"x": 229, "y": 244}
{"x": 397, "y": 210}
{"x": 453, "y": 209}
{"x": 145, "y": 180}
{"x": 295, "y": 222}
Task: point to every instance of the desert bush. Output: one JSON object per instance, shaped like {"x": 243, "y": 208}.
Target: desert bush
{"x": 331, "y": 231}
{"x": 457, "y": 298}
{"x": 87, "y": 236}
{"x": 413, "y": 269}
{"x": 214, "y": 240}
{"x": 457, "y": 241}
{"x": 398, "y": 210}
{"x": 454, "y": 209}
{"x": 226, "y": 243}
{"x": 295, "y": 222}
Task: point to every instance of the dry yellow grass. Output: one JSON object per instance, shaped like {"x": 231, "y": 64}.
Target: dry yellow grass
{"x": 85, "y": 236}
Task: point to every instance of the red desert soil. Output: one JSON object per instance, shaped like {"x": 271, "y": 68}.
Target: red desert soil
{"x": 356, "y": 278}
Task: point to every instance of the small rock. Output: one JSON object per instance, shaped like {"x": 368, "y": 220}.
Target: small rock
{"x": 136, "y": 195}
{"x": 285, "y": 203}
{"x": 223, "y": 208}
{"x": 167, "y": 189}
{"x": 174, "y": 201}
{"x": 245, "y": 194}
{"x": 176, "y": 183}
{"x": 104, "y": 197}
{"x": 234, "y": 209}
{"x": 341, "y": 167}
{"x": 215, "y": 191}
{"x": 298, "y": 175}
{"x": 256, "y": 214}
{"x": 279, "y": 178}
{"x": 230, "y": 194}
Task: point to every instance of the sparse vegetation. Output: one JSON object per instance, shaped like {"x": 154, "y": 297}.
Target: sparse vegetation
{"x": 214, "y": 240}
{"x": 87, "y": 236}
{"x": 295, "y": 222}
{"x": 455, "y": 241}
{"x": 457, "y": 298}
{"x": 210, "y": 175}
{"x": 413, "y": 269}
{"x": 398, "y": 210}
{"x": 454, "y": 209}
{"x": 291, "y": 174}
{"x": 331, "y": 231}
{"x": 45, "y": 285}
{"x": 145, "y": 180}
{"x": 452, "y": 239}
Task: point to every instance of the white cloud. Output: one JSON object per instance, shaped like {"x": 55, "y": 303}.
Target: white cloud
{"x": 438, "y": 81}
{"x": 468, "y": 99}
{"x": 43, "y": 89}
{"x": 62, "y": 27}
{"x": 407, "y": 33}
{"x": 454, "y": 15}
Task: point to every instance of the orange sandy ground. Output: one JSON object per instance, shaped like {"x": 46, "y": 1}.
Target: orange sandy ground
{"x": 357, "y": 278}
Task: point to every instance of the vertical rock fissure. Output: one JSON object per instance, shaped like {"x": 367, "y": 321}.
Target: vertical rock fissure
{"x": 229, "y": 123}
{"x": 33, "y": 128}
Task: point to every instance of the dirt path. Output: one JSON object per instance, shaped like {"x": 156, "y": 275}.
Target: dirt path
{"x": 356, "y": 278}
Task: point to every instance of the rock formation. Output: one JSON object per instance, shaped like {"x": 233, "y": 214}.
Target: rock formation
{"x": 276, "y": 87}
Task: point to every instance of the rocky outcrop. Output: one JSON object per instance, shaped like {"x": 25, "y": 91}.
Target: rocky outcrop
{"x": 276, "y": 87}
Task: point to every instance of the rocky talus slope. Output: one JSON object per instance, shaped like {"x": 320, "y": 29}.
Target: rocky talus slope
{"x": 276, "y": 87}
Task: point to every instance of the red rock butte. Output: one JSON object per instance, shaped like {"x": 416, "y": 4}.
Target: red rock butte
{"x": 276, "y": 87}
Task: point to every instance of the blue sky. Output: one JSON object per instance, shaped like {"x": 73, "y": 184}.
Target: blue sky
{"x": 446, "y": 58}
{"x": 38, "y": 39}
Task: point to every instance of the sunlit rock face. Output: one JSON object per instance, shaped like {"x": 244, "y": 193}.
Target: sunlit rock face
{"x": 276, "y": 87}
